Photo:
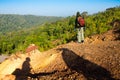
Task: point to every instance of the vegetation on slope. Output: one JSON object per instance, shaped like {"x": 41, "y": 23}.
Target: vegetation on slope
{"x": 11, "y": 22}
{"x": 52, "y": 34}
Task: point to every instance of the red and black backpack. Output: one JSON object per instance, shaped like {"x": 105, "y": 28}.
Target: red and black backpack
{"x": 81, "y": 21}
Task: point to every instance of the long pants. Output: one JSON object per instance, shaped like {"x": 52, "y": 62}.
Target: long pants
{"x": 80, "y": 34}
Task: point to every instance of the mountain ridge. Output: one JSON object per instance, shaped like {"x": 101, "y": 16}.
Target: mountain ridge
{"x": 14, "y": 22}
{"x": 49, "y": 35}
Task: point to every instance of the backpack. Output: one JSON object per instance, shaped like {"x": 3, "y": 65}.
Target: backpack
{"x": 81, "y": 21}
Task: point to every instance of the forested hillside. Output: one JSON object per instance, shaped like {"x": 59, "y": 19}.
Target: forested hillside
{"x": 11, "y": 22}
{"x": 52, "y": 34}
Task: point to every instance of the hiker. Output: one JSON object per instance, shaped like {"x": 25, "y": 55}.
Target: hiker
{"x": 80, "y": 25}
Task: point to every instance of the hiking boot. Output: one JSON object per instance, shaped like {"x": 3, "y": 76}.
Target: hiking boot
{"x": 82, "y": 41}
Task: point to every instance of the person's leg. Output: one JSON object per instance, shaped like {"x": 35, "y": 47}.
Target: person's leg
{"x": 82, "y": 34}
{"x": 79, "y": 34}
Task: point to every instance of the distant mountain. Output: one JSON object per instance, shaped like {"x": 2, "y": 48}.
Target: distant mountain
{"x": 12, "y": 22}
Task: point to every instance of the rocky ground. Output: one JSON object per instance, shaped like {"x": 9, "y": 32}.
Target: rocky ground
{"x": 98, "y": 58}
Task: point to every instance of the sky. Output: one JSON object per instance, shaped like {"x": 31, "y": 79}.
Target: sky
{"x": 55, "y": 7}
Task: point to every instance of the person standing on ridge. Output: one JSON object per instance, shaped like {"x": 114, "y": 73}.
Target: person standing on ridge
{"x": 79, "y": 25}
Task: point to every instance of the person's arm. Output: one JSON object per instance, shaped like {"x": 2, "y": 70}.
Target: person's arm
{"x": 76, "y": 23}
